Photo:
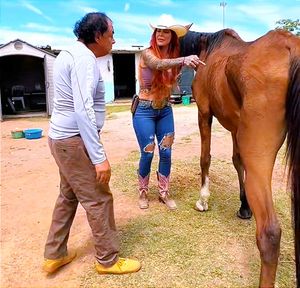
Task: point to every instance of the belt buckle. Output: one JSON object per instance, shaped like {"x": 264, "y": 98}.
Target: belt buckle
{"x": 163, "y": 104}
{"x": 154, "y": 105}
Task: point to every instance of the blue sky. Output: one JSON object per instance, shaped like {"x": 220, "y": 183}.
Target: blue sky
{"x": 50, "y": 22}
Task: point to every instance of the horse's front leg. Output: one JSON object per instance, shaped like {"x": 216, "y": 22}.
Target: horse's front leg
{"x": 204, "y": 122}
{"x": 244, "y": 211}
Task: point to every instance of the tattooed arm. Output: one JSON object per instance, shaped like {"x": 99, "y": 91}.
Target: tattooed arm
{"x": 154, "y": 62}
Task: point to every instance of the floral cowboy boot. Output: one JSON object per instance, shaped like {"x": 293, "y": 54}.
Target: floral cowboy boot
{"x": 164, "y": 194}
{"x": 143, "y": 191}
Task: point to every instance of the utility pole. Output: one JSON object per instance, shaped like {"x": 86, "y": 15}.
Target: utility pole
{"x": 223, "y": 4}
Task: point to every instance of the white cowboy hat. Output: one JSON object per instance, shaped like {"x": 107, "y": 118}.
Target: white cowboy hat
{"x": 180, "y": 30}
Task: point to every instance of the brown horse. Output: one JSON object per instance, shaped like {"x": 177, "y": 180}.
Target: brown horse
{"x": 253, "y": 89}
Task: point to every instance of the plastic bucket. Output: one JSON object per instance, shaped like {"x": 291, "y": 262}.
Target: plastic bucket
{"x": 17, "y": 134}
{"x": 186, "y": 100}
{"x": 35, "y": 133}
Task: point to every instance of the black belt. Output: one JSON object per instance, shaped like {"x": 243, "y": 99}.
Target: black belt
{"x": 78, "y": 135}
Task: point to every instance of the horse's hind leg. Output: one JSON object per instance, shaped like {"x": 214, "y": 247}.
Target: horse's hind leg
{"x": 244, "y": 211}
{"x": 204, "y": 122}
{"x": 259, "y": 144}
{"x": 268, "y": 231}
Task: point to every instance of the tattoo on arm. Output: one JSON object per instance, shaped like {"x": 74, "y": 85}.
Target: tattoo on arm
{"x": 160, "y": 64}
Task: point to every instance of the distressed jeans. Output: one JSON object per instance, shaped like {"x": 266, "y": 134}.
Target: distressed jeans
{"x": 78, "y": 184}
{"x": 150, "y": 123}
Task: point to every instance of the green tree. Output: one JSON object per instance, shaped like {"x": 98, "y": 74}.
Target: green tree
{"x": 289, "y": 25}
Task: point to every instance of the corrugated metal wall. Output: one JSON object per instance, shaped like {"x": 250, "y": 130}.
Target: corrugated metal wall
{"x": 49, "y": 82}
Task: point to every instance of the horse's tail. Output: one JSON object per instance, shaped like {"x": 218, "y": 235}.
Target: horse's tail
{"x": 293, "y": 149}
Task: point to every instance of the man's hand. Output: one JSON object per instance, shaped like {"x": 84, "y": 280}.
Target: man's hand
{"x": 103, "y": 172}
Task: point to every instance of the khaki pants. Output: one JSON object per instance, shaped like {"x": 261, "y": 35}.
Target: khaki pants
{"x": 78, "y": 184}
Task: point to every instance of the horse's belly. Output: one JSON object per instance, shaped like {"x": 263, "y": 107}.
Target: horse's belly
{"x": 228, "y": 118}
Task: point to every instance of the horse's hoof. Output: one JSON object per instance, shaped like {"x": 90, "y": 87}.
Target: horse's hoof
{"x": 201, "y": 206}
{"x": 244, "y": 214}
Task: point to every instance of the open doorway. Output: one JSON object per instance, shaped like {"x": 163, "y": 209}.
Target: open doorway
{"x": 22, "y": 84}
{"x": 124, "y": 75}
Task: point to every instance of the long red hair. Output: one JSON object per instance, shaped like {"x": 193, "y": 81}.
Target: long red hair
{"x": 163, "y": 80}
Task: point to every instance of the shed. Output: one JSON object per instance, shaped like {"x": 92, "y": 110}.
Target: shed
{"x": 119, "y": 70}
{"x": 26, "y": 85}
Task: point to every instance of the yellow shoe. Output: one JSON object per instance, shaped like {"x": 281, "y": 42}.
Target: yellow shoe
{"x": 51, "y": 265}
{"x": 122, "y": 266}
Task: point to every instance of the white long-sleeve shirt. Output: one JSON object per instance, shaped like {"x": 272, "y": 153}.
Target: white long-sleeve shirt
{"x": 79, "y": 104}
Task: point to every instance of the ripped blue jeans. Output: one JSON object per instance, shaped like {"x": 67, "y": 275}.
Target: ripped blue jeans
{"x": 149, "y": 124}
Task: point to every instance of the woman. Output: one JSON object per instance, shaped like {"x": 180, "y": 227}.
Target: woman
{"x": 158, "y": 69}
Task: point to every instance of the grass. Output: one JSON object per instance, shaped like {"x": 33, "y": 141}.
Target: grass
{"x": 186, "y": 248}
{"x": 117, "y": 108}
{"x": 111, "y": 110}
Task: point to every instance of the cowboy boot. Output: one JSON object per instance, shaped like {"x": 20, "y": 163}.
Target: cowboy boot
{"x": 143, "y": 191}
{"x": 164, "y": 194}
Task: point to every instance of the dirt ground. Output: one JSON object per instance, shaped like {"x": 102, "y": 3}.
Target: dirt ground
{"x": 29, "y": 187}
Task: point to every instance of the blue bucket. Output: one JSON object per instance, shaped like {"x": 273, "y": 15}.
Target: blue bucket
{"x": 34, "y": 133}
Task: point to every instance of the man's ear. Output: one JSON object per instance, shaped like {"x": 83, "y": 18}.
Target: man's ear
{"x": 188, "y": 26}
{"x": 98, "y": 37}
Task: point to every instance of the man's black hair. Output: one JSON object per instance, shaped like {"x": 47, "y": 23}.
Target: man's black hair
{"x": 87, "y": 28}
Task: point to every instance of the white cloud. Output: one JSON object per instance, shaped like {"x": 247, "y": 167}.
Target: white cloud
{"x": 167, "y": 20}
{"x": 46, "y": 28}
{"x": 159, "y": 3}
{"x": 126, "y": 44}
{"x": 266, "y": 14}
{"x": 127, "y": 7}
{"x": 35, "y": 10}
{"x": 57, "y": 41}
{"x": 207, "y": 26}
{"x": 87, "y": 9}
{"x": 32, "y": 8}
{"x": 37, "y": 38}
{"x": 139, "y": 24}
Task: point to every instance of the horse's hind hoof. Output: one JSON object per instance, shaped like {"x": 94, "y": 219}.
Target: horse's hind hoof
{"x": 244, "y": 214}
{"x": 201, "y": 206}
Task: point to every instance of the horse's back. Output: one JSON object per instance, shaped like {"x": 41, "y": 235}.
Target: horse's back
{"x": 271, "y": 52}
{"x": 261, "y": 71}
{"x": 259, "y": 77}
{"x": 256, "y": 77}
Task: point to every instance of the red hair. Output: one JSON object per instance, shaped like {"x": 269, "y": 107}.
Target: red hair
{"x": 163, "y": 80}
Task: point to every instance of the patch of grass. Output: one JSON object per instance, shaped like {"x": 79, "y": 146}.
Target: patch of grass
{"x": 281, "y": 155}
{"x": 38, "y": 119}
{"x": 191, "y": 105}
{"x": 186, "y": 139}
{"x": 116, "y": 108}
{"x": 186, "y": 248}
{"x": 30, "y": 119}
{"x": 217, "y": 127}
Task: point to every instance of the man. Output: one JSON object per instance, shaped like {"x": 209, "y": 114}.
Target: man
{"x": 77, "y": 117}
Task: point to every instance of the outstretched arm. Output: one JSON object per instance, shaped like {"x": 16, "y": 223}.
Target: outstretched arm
{"x": 154, "y": 62}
